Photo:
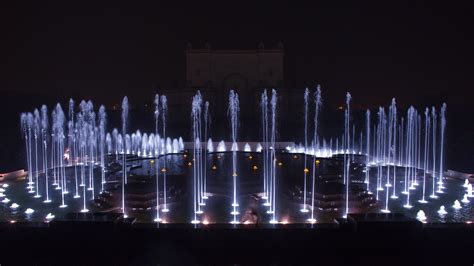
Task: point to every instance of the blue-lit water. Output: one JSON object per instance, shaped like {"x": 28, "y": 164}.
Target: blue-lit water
{"x": 218, "y": 206}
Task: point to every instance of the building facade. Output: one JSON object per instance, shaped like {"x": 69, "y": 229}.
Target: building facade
{"x": 215, "y": 72}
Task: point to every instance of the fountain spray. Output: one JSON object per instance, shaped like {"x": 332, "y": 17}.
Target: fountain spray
{"x": 29, "y": 120}
{"x": 24, "y": 131}
{"x": 318, "y": 102}
{"x": 347, "y": 160}
{"x": 234, "y": 120}
{"x": 198, "y": 157}
{"x": 305, "y": 170}
{"x": 425, "y": 154}
{"x": 157, "y": 168}
{"x": 441, "y": 143}
{"x": 59, "y": 134}
{"x": 164, "y": 113}
{"x": 433, "y": 175}
{"x": 410, "y": 134}
{"x": 266, "y": 185}
{"x": 72, "y": 145}
{"x": 394, "y": 127}
{"x": 44, "y": 137}
{"x": 102, "y": 126}
{"x": 207, "y": 124}
{"x": 389, "y": 152}
{"x": 124, "y": 167}
{"x": 273, "y": 105}
{"x": 195, "y": 114}
{"x": 82, "y": 134}
{"x": 36, "y": 133}
{"x": 367, "y": 158}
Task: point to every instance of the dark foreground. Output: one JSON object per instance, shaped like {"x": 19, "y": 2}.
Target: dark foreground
{"x": 376, "y": 239}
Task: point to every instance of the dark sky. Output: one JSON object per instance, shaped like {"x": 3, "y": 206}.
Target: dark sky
{"x": 421, "y": 53}
{"x": 378, "y": 51}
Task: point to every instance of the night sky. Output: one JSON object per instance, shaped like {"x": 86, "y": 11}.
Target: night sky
{"x": 420, "y": 53}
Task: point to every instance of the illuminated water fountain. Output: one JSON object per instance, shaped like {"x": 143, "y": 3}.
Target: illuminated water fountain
{"x": 234, "y": 109}
{"x": 157, "y": 180}
{"x": 346, "y": 146}
{"x": 78, "y": 144}
{"x": 318, "y": 103}
{"x": 427, "y": 141}
{"x": 124, "y": 166}
{"x": 457, "y": 205}
{"x": 466, "y": 183}
{"x": 442, "y": 210}
{"x": 470, "y": 192}
{"x": 305, "y": 170}
{"x": 421, "y": 216}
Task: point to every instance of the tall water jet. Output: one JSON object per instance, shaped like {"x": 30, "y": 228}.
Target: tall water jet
{"x": 264, "y": 108}
{"x": 59, "y": 134}
{"x": 318, "y": 100}
{"x": 102, "y": 126}
{"x": 234, "y": 109}
{"x": 26, "y": 124}
{"x": 433, "y": 175}
{"x": 273, "y": 106}
{"x": 44, "y": 138}
{"x": 392, "y": 113}
{"x": 30, "y": 121}
{"x": 207, "y": 124}
{"x": 124, "y": 166}
{"x": 410, "y": 153}
{"x": 353, "y": 141}
{"x": 36, "y": 133}
{"x": 24, "y": 134}
{"x": 380, "y": 149}
{"x": 90, "y": 137}
{"x": 81, "y": 128}
{"x": 72, "y": 145}
{"x": 91, "y": 146}
{"x": 199, "y": 152}
{"x": 305, "y": 169}
{"x": 157, "y": 168}
{"x": 367, "y": 155}
{"x": 164, "y": 113}
{"x": 441, "y": 144}
{"x": 406, "y": 161}
{"x": 346, "y": 159}
{"x": 195, "y": 117}
{"x": 402, "y": 123}
{"x": 389, "y": 153}
{"x": 416, "y": 159}
{"x": 425, "y": 154}
{"x": 395, "y": 129}
{"x": 419, "y": 127}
